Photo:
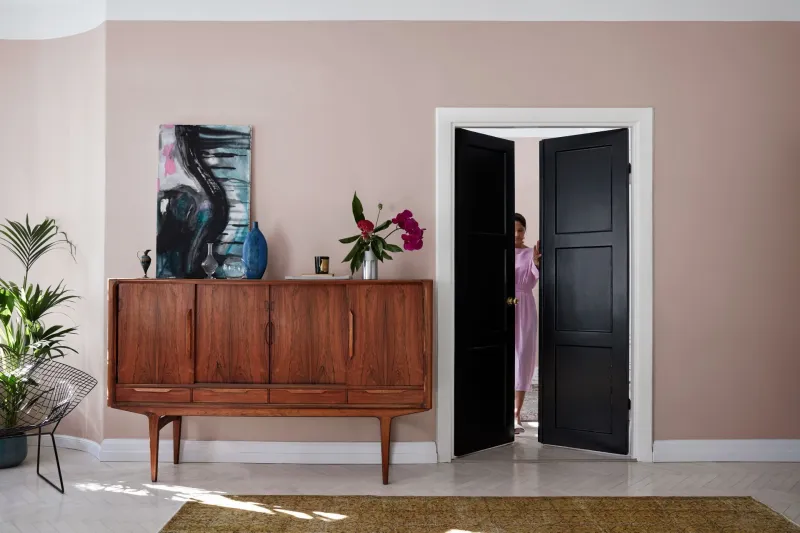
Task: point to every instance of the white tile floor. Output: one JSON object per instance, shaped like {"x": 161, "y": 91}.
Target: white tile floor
{"x": 119, "y": 497}
{"x": 526, "y": 449}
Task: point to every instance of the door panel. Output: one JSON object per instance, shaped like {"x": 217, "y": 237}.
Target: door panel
{"x": 484, "y": 280}
{"x": 155, "y": 328}
{"x": 584, "y": 292}
{"x": 310, "y": 334}
{"x": 388, "y": 335}
{"x": 232, "y": 334}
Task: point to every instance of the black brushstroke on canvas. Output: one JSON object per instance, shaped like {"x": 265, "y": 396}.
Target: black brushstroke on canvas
{"x": 191, "y": 218}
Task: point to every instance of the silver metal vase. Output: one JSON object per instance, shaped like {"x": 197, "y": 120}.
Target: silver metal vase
{"x": 369, "y": 270}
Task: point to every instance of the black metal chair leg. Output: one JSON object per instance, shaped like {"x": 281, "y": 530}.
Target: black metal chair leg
{"x": 58, "y": 464}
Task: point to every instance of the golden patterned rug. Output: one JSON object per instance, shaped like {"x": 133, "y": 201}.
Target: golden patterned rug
{"x": 373, "y": 514}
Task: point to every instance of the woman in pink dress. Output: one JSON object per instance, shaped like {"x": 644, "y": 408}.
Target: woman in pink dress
{"x": 527, "y": 274}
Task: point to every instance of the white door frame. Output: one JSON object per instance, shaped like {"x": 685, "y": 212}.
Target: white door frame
{"x": 640, "y": 122}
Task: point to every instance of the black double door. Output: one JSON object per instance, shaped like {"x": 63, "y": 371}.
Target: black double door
{"x": 584, "y": 292}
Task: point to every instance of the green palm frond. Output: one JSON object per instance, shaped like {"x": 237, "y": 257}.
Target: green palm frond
{"x": 29, "y": 244}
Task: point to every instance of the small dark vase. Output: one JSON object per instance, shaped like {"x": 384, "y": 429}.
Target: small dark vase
{"x": 254, "y": 254}
{"x": 144, "y": 260}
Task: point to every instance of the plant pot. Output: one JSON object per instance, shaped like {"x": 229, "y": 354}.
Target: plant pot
{"x": 13, "y": 451}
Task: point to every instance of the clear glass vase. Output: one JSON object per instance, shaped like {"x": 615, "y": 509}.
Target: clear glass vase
{"x": 233, "y": 268}
{"x": 210, "y": 264}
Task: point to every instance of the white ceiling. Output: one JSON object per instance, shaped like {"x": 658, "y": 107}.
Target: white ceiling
{"x": 43, "y": 19}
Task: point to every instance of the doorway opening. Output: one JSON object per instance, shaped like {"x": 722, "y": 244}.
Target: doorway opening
{"x": 528, "y": 125}
{"x": 531, "y": 201}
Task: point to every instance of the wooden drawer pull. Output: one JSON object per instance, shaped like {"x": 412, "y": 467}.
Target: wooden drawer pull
{"x": 384, "y": 391}
{"x": 153, "y": 390}
{"x": 229, "y": 391}
{"x": 350, "y": 340}
{"x": 305, "y": 391}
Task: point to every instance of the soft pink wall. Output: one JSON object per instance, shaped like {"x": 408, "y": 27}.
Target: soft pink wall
{"x": 339, "y": 107}
{"x": 526, "y": 198}
{"x": 52, "y": 147}
{"x": 344, "y": 106}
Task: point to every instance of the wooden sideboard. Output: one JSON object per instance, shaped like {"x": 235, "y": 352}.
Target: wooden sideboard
{"x": 269, "y": 348}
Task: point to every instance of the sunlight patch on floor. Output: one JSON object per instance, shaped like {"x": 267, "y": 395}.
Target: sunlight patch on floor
{"x": 117, "y": 488}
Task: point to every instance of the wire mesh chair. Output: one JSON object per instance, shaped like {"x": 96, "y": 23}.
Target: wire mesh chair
{"x": 53, "y": 391}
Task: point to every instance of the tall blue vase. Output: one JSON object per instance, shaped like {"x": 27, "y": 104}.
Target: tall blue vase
{"x": 254, "y": 255}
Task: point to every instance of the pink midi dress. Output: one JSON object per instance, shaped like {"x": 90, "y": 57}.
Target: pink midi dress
{"x": 527, "y": 275}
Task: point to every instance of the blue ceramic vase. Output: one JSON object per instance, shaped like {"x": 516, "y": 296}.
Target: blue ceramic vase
{"x": 254, "y": 254}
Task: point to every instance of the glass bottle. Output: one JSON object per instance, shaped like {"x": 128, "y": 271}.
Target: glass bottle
{"x": 210, "y": 264}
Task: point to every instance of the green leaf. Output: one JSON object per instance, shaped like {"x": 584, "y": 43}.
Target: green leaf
{"x": 384, "y": 255}
{"x": 383, "y": 225}
{"x": 348, "y": 240}
{"x": 393, "y": 248}
{"x": 377, "y": 248}
{"x": 358, "y": 209}
{"x": 358, "y": 260}
{"x": 353, "y": 251}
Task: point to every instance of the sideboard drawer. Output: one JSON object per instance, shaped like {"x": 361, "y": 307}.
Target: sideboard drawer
{"x": 308, "y": 396}
{"x": 386, "y": 396}
{"x": 153, "y": 394}
{"x": 230, "y": 395}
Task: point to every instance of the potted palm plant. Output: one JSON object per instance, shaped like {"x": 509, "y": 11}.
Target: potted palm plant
{"x": 26, "y": 341}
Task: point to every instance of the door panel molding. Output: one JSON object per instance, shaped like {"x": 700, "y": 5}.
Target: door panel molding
{"x": 640, "y": 123}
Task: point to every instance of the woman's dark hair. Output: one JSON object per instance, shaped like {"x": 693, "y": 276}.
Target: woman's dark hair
{"x": 521, "y": 219}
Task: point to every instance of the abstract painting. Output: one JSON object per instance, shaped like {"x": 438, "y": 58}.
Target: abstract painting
{"x": 203, "y": 196}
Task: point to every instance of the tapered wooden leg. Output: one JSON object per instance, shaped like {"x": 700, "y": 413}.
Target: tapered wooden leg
{"x": 386, "y": 437}
{"x": 176, "y": 440}
{"x": 153, "y": 421}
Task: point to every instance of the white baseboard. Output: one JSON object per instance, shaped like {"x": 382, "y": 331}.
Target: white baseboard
{"x": 696, "y": 451}
{"x": 195, "y": 451}
{"x": 71, "y": 443}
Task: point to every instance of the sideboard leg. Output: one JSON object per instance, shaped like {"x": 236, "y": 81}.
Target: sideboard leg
{"x": 176, "y": 439}
{"x": 386, "y": 437}
{"x": 153, "y": 420}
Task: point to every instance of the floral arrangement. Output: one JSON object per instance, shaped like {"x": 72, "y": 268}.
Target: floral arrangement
{"x": 369, "y": 238}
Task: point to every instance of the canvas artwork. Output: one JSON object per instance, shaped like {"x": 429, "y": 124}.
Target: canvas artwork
{"x": 203, "y": 196}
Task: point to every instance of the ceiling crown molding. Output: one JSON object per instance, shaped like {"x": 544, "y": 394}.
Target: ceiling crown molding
{"x": 45, "y": 19}
{"x": 49, "y": 19}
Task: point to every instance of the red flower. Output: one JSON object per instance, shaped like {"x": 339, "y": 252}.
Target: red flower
{"x": 401, "y": 218}
{"x": 413, "y": 241}
{"x": 366, "y": 227}
{"x": 411, "y": 226}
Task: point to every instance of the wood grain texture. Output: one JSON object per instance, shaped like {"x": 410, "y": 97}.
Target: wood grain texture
{"x": 310, "y": 336}
{"x": 308, "y": 396}
{"x": 389, "y": 335}
{"x": 348, "y": 349}
{"x": 111, "y": 352}
{"x": 226, "y": 395}
{"x": 386, "y": 441}
{"x": 386, "y": 396}
{"x": 232, "y": 334}
{"x": 153, "y": 429}
{"x": 154, "y": 333}
{"x": 154, "y": 394}
{"x": 428, "y": 315}
{"x": 233, "y": 409}
{"x": 177, "y": 423}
